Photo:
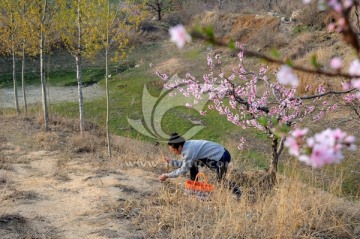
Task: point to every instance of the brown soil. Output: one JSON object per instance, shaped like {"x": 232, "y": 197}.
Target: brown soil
{"x": 237, "y": 26}
{"x": 48, "y": 191}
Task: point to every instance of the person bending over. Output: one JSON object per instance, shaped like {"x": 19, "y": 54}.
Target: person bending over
{"x": 196, "y": 153}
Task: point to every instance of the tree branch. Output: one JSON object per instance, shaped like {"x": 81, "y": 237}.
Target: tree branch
{"x": 250, "y": 53}
{"x": 281, "y": 146}
{"x": 323, "y": 94}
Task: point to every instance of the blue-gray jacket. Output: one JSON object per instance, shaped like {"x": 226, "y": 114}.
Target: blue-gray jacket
{"x": 193, "y": 150}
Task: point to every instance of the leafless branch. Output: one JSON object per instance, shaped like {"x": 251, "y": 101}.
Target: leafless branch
{"x": 324, "y": 94}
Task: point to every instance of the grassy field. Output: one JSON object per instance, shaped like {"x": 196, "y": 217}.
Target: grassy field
{"x": 131, "y": 75}
{"x": 89, "y": 195}
{"x": 92, "y": 190}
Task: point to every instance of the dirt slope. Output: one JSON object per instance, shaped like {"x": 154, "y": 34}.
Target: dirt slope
{"x": 54, "y": 194}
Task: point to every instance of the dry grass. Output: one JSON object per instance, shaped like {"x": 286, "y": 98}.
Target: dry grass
{"x": 130, "y": 154}
{"x": 312, "y": 17}
{"x": 21, "y": 195}
{"x": 47, "y": 140}
{"x": 85, "y": 143}
{"x": 171, "y": 66}
{"x": 242, "y": 28}
{"x": 291, "y": 210}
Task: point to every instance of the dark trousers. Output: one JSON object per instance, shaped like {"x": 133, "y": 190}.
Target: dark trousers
{"x": 220, "y": 167}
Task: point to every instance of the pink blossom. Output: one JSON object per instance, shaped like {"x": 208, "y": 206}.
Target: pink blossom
{"x": 354, "y": 68}
{"x": 321, "y": 89}
{"x": 346, "y": 85}
{"x": 334, "y": 107}
{"x": 203, "y": 113}
{"x": 331, "y": 27}
{"x": 350, "y": 97}
{"x": 243, "y": 103}
{"x": 336, "y": 5}
{"x": 299, "y": 132}
{"x": 349, "y": 139}
{"x": 348, "y": 3}
{"x": 324, "y": 148}
{"x": 306, "y": 1}
{"x": 286, "y": 76}
{"x": 162, "y": 76}
{"x": 188, "y": 105}
{"x": 304, "y": 158}
{"x": 179, "y": 35}
{"x": 242, "y": 143}
{"x": 355, "y": 83}
{"x": 336, "y": 63}
{"x": 320, "y": 155}
{"x": 293, "y": 146}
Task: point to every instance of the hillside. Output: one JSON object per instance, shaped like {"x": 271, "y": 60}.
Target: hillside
{"x": 61, "y": 185}
{"x": 58, "y": 184}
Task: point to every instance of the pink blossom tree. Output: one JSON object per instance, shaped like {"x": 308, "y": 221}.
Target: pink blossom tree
{"x": 249, "y": 98}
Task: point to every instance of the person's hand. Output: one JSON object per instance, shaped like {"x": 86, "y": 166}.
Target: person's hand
{"x": 167, "y": 159}
{"x": 163, "y": 177}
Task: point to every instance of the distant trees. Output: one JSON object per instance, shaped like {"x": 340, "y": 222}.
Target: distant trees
{"x": 113, "y": 24}
{"x": 9, "y": 32}
{"x": 28, "y": 41}
{"x": 88, "y": 28}
{"x": 74, "y": 22}
{"x": 40, "y": 15}
{"x": 18, "y": 38}
{"x": 84, "y": 27}
{"x": 159, "y": 6}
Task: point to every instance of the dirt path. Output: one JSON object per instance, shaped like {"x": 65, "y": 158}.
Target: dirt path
{"x": 55, "y": 94}
{"x": 40, "y": 200}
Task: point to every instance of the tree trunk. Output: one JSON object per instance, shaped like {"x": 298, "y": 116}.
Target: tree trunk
{"x": 107, "y": 85}
{"x": 14, "y": 65}
{"x": 42, "y": 68}
{"x": 23, "y": 78}
{"x": 107, "y": 103}
{"x": 14, "y": 76}
{"x": 159, "y": 13}
{"x": 43, "y": 82}
{"x": 220, "y": 4}
{"x": 79, "y": 71}
{"x": 275, "y": 155}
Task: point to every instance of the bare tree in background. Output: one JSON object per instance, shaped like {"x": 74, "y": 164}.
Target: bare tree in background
{"x": 159, "y": 6}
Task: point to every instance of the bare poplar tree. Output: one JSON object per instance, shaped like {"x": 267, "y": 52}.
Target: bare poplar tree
{"x": 113, "y": 24}
{"x": 9, "y": 32}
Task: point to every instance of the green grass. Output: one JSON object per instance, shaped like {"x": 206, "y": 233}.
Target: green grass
{"x": 64, "y": 77}
{"x": 126, "y": 90}
{"x": 300, "y": 29}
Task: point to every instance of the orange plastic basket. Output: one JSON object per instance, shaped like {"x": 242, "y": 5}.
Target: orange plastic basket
{"x": 199, "y": 186}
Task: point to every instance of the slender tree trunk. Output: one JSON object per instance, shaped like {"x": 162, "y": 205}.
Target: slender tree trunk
{"x": 220, "y": 4}
{"x": 14, "y": 75}
{"x": 159, "y": 9}
{"x": 79, "y": 70}
{"x": 15, "y": 84}
{"x": 275, "y": 155}
{"x": 81, "y": 101}
{"x": 107, "y": 103}
{"x": 159, "y": 14}
{"x": 42, "y": 68}
{"x": 43, "y": 82}
{"x": 107, "y": 85}
{"x": 23, "y": 78}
